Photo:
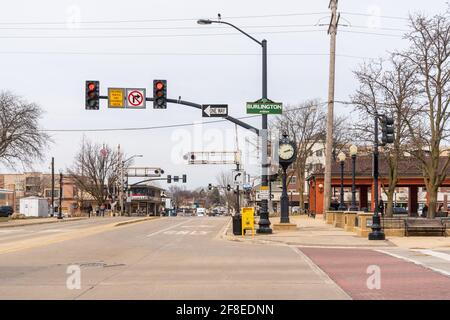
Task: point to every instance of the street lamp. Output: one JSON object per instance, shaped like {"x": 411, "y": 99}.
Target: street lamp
{"x": 264, "y": 223}
{"x": 341, "y": 158}
{"x": 353, "y": 152}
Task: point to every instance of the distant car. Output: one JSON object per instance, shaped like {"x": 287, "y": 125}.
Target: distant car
{"x": 201, "y": 212}
{"x": 399, "y": 210}
{"x": 6, "y": 211}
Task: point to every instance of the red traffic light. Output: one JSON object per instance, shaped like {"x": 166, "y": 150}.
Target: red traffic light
{"x": 159, "y": 85}
{"x": 91, "y": 86}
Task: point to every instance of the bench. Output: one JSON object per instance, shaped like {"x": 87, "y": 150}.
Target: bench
{"x": 424, "y": 226}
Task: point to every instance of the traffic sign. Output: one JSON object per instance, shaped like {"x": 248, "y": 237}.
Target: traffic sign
{"x": 135, "y": 98}
{"x": 264, "y": 106}
{"x": 214, "y": 110}
{"x": 238, "y": 177}
{"x": 116, "y": 98}
{"x": 264, "y": 193}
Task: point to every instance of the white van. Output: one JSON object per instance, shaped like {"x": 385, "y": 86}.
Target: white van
{"x": 201, "y": 212}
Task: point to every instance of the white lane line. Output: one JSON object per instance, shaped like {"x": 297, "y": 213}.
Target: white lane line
{"x": 436, "y": 254}
{"x": 172, "y": 227}
{"x": 445, "y": 273}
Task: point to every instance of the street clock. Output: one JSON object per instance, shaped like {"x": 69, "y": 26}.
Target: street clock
{"x": 287, "y": 151}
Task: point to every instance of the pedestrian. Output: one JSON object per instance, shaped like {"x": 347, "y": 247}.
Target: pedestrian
{"x": 425, "y": 211}
{"x": 102, "y": 210}
{"x": 90, "y": 210}
{"x": 381, "y": 207}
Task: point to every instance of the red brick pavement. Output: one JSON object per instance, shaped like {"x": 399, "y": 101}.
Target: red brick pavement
{"x": 399, "y": 279}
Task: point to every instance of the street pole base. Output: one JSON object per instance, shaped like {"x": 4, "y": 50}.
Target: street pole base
{"x": 264, "y": 230}
{"x": 377, "y": 235}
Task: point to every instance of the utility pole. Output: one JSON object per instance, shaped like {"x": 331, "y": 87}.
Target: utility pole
{"x": 121, "y": 184}
{"x": 332, "y": 31}
{"x": 53, "y": 186}
{"x": 60, "y": 195}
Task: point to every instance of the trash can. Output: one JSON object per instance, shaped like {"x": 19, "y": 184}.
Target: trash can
{"x": 237, "y": 225}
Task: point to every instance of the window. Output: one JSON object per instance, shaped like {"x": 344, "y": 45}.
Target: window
{"x": 293, "y": 180}
{"x": 48, "y": 193}
{"x": 318, "y": 153}
{"x": 318, "y": 167}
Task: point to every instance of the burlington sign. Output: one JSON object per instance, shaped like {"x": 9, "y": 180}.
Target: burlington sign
{"x": 264, "y": 106}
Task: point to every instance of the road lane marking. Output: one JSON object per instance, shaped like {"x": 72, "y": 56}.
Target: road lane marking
{"x": 171, "y": 227}
{"x": 446, "y": 273}
{"x": 436, "y": 254}
{"x": 42, "y": 241}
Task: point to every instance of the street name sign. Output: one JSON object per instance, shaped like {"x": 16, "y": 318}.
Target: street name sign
{"x": 264, "y": 106}
{"x": 116, "y": 98}
{"x": 135, "y": 98}
{"x": 214, "y": 110}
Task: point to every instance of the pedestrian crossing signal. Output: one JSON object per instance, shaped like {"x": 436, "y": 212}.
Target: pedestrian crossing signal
{"x": 92, "y": 95}
{"x": 159, "y": 94}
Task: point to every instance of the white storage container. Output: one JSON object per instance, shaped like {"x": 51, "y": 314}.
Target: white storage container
{"x": 34, "y": 207}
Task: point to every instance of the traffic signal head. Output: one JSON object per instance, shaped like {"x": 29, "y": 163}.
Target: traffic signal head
{"x": 387, "y": 130}
{"x": 169, "y": 178}
{"x": 184, "y": 178}
{"x": 176, "y": 178}
{"x": 159, "y": 94}
{"x": 92, "y": 95}
{"x": 228, "y": 187}
{"x": 210, "y": 186}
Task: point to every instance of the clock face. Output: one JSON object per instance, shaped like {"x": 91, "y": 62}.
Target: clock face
{"x": 286, "y": 151}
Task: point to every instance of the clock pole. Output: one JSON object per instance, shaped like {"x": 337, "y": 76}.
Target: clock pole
{"x": 284, "y": 200}
{"x": 287, "y": 155}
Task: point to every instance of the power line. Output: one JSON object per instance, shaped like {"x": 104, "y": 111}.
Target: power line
{"x": 374, "y": 33}
{"x": 155, "y": 20}
{"x": 173, "y": 54}
{"x": 372, "y": 15}
{"x": 152, "y": 35}
{"x": 173, "y": 125}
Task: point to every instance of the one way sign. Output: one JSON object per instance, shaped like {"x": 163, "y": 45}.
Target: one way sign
{"x": 214, "y": 110}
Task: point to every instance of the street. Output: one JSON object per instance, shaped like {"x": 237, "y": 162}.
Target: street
{"x": 187, "y": 258}
{"x": 168, "y": 258}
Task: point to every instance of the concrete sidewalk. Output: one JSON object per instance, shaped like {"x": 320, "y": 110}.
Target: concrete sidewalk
{"x": 317, "y": 233}
{"x": 310, "y": 232}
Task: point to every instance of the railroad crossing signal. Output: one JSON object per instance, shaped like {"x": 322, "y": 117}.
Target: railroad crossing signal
{"x": 92, "y": 95}
{"x": 159, "y": 94}
{"x": 387, "y": 130}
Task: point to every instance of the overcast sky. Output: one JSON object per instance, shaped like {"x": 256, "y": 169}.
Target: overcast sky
{"x": 49, "y": 49}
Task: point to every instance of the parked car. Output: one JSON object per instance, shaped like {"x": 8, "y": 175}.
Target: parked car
{"x": 399, "y": 210}
{"x": 6, "y": 211}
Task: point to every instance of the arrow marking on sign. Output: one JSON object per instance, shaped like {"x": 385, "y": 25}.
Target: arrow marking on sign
{"x": 208, "y": 110}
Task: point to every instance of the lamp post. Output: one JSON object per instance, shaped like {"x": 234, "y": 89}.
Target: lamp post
{"x": 353, "y": 152}
{"x": 122, "y": 180}
{"x": 264, "y": 222}
{"x": 341, "y": 158}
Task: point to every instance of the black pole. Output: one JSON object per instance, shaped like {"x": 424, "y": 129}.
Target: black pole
{"x": 284, "y": 200}
{"x": 60, "y": 195}
{"x": 341, "y": 205}
{"x": 53, "y": 187}
{"x": 264, "y": 222}
{"x": 353, "y": 206}
{"x": 377, "y": 233}
{"x": 238, "y": 200}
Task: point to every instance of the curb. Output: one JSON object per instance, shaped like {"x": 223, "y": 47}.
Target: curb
{"x": 38, "y": 223}
{"x": 123, "y": 223}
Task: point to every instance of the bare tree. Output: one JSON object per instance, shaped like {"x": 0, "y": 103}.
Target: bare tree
{"x": 95, "y": 170}
{"x": 21, "y": 138}
{"x": 387, "y": 88}
{"x": 428, "y": 54}
{"x": 224, "y": 179}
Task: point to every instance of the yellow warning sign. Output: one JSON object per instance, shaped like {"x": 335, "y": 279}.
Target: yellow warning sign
{"x": 116, "y": 98}
{"x": 248, "y": 220}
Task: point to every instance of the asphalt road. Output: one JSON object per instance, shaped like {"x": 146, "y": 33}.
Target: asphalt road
{"x": 167, "y": 258}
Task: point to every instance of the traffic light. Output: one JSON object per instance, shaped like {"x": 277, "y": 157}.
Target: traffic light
{"x": 92, "y": 95}
{"x": 159, "y": 94}
{"x": 210, "y": 186}
{"x": 176, "y": 178}
{"x": 184, "y": 178}
{"x": 228, "y": 187}
{"x": 169, "y": 178}
{"x": 387, "y": 130}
